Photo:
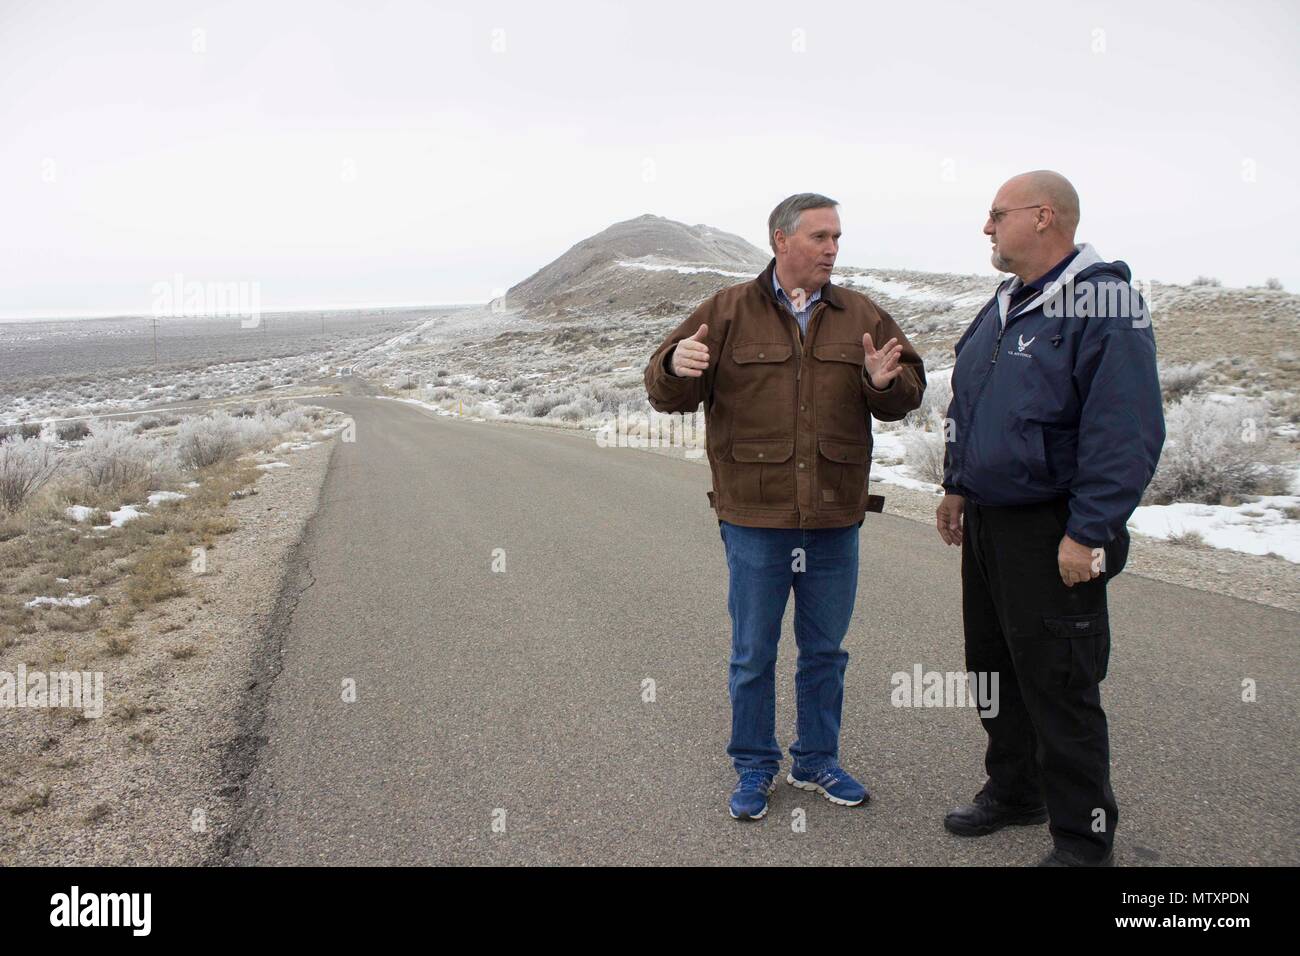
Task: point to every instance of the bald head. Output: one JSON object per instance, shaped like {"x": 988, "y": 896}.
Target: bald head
{"x": 1046, "y": 186}
{"x": 1032, "y": 223}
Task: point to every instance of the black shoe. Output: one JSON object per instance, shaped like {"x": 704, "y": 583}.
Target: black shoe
{"x": 986, "y": 815}
{"x": 1059, "y": 857}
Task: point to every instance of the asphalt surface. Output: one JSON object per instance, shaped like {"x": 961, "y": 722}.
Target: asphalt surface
{"x": 486, "y": 698}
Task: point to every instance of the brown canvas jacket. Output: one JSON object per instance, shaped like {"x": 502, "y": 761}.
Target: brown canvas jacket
{"x": 788, "y": 417}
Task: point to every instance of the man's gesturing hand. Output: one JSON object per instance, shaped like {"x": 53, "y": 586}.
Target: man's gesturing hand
{"x": 882, "y": 364}
{"x": 691, "y": 357}
{"x": 949, "y": 518}
{"x": 1078, "y": 562}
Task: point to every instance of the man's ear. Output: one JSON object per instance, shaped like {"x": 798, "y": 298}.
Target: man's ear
{"x": 1046, "y": 216}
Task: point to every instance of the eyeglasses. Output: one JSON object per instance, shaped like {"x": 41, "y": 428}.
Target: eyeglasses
{"x": 997, "y": 214}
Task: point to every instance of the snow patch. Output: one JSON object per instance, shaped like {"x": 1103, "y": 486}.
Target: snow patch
{"x": 684, "y": 270}
{"x": 1256, "y": 527}
{"x": 69, "y": 601}
{"x": 157, "y": 497}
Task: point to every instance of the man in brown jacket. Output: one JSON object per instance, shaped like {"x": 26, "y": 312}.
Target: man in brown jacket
{"x": 790, "y": 369}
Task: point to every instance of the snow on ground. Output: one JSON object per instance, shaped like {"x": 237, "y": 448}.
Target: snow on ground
{"x": 1257, "y": 527}
{"x": 415, "y": 401}
{"x": 684, "y": 270}
{"x": 267, "y": 466}
{"x": 122, "y": 515}
{"x": 889, "y": 446}
{"x": 897, "y": 475}
{"x": 906, "y": 292}
{"x": 79, "y": 512}
{"x": 155, "y": 498}
{"x": 69, "y": 601}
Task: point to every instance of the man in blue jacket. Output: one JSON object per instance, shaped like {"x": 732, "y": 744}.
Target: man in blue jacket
{"x": 1054, "y": 430}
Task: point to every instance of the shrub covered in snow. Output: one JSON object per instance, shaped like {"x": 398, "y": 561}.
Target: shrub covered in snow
{"x": 575, "y": 411}
{"x": 934, "y": 405}
{"x": 72, "y": 431}
{"x": 1213, "y": 453}
{"x": 925, "y": 454}
{"x": 609, "y": 398}
{"x": 116, "y": 457}
{"x": 539, "y": 406}
{"x": 1176, "y": 381}
{"x": 217, "y": 437}
{"x": 25, "y": 465}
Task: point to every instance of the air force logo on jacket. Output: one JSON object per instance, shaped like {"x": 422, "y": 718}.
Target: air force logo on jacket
{"x": 1060, "y": 397}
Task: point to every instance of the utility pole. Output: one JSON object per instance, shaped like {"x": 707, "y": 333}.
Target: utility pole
{"x": 155, "y": 340}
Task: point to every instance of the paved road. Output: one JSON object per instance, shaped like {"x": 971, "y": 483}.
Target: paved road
{"x": 522, "y": 691}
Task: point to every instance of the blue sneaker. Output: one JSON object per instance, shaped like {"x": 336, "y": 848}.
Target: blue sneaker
{"x": 749, "y": 799}
{"x": 833, "y": 783}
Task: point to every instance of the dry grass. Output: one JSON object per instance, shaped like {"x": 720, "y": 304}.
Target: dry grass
{"x": 34, "y": 799}
{"x": 1188, "y": 539}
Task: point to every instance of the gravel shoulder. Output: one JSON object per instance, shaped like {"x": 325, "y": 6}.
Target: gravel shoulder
{"x": 151, "y": 782}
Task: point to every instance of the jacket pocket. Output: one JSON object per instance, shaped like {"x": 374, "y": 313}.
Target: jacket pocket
{"x": 1084, "y": 653}
{"x": 761, "y": 472}
{"x": 849, "y": 352}
{"x": 761, "y": 352}
{"x": 1036, "y": 453}
{"x": 837, "y": 368}
{"x": 1061, "y": 447}
{"x": 841, "y": 472}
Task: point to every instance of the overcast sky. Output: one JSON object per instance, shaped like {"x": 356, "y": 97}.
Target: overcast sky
{"x": 376, "y": 152}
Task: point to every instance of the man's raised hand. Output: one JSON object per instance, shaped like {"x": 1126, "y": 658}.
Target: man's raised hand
{"x": 882, "y": 363}
{"x": 691, "y": 357}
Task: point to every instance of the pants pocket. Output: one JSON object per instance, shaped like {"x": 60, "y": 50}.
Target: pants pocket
{"x": 1084, "y": 651}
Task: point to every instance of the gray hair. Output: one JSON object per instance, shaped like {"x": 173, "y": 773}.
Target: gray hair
{"x": 786, "y": 214}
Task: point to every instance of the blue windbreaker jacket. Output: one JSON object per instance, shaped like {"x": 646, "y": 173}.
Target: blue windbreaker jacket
{"x": 1062, "y": 400}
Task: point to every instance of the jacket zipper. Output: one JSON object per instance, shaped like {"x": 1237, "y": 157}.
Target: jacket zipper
{"x": 793, "y": 325}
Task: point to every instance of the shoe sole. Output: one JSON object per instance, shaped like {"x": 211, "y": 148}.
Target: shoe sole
{"x": 754, "y": 816}
{"x": 1023, "y": 820}
{"x": 818, "y": 788}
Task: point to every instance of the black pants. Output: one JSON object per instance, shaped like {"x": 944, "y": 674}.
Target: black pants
{"x": 1049, "y": 645}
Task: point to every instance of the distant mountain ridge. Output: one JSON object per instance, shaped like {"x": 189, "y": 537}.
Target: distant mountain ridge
{"x": 591, "y": 273}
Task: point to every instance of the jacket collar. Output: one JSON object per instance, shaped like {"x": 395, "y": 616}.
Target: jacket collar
{"x": 1085, "y": 256}
{"x": 830, "y": 294}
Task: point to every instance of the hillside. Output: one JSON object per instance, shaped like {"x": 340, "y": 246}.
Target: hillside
{"x": 670, "y": 262}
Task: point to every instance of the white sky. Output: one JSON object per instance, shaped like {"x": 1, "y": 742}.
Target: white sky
{"x": 383, "y": 152}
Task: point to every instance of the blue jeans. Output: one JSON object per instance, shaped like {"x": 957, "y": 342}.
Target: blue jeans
{"x": 763, "y": 566}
